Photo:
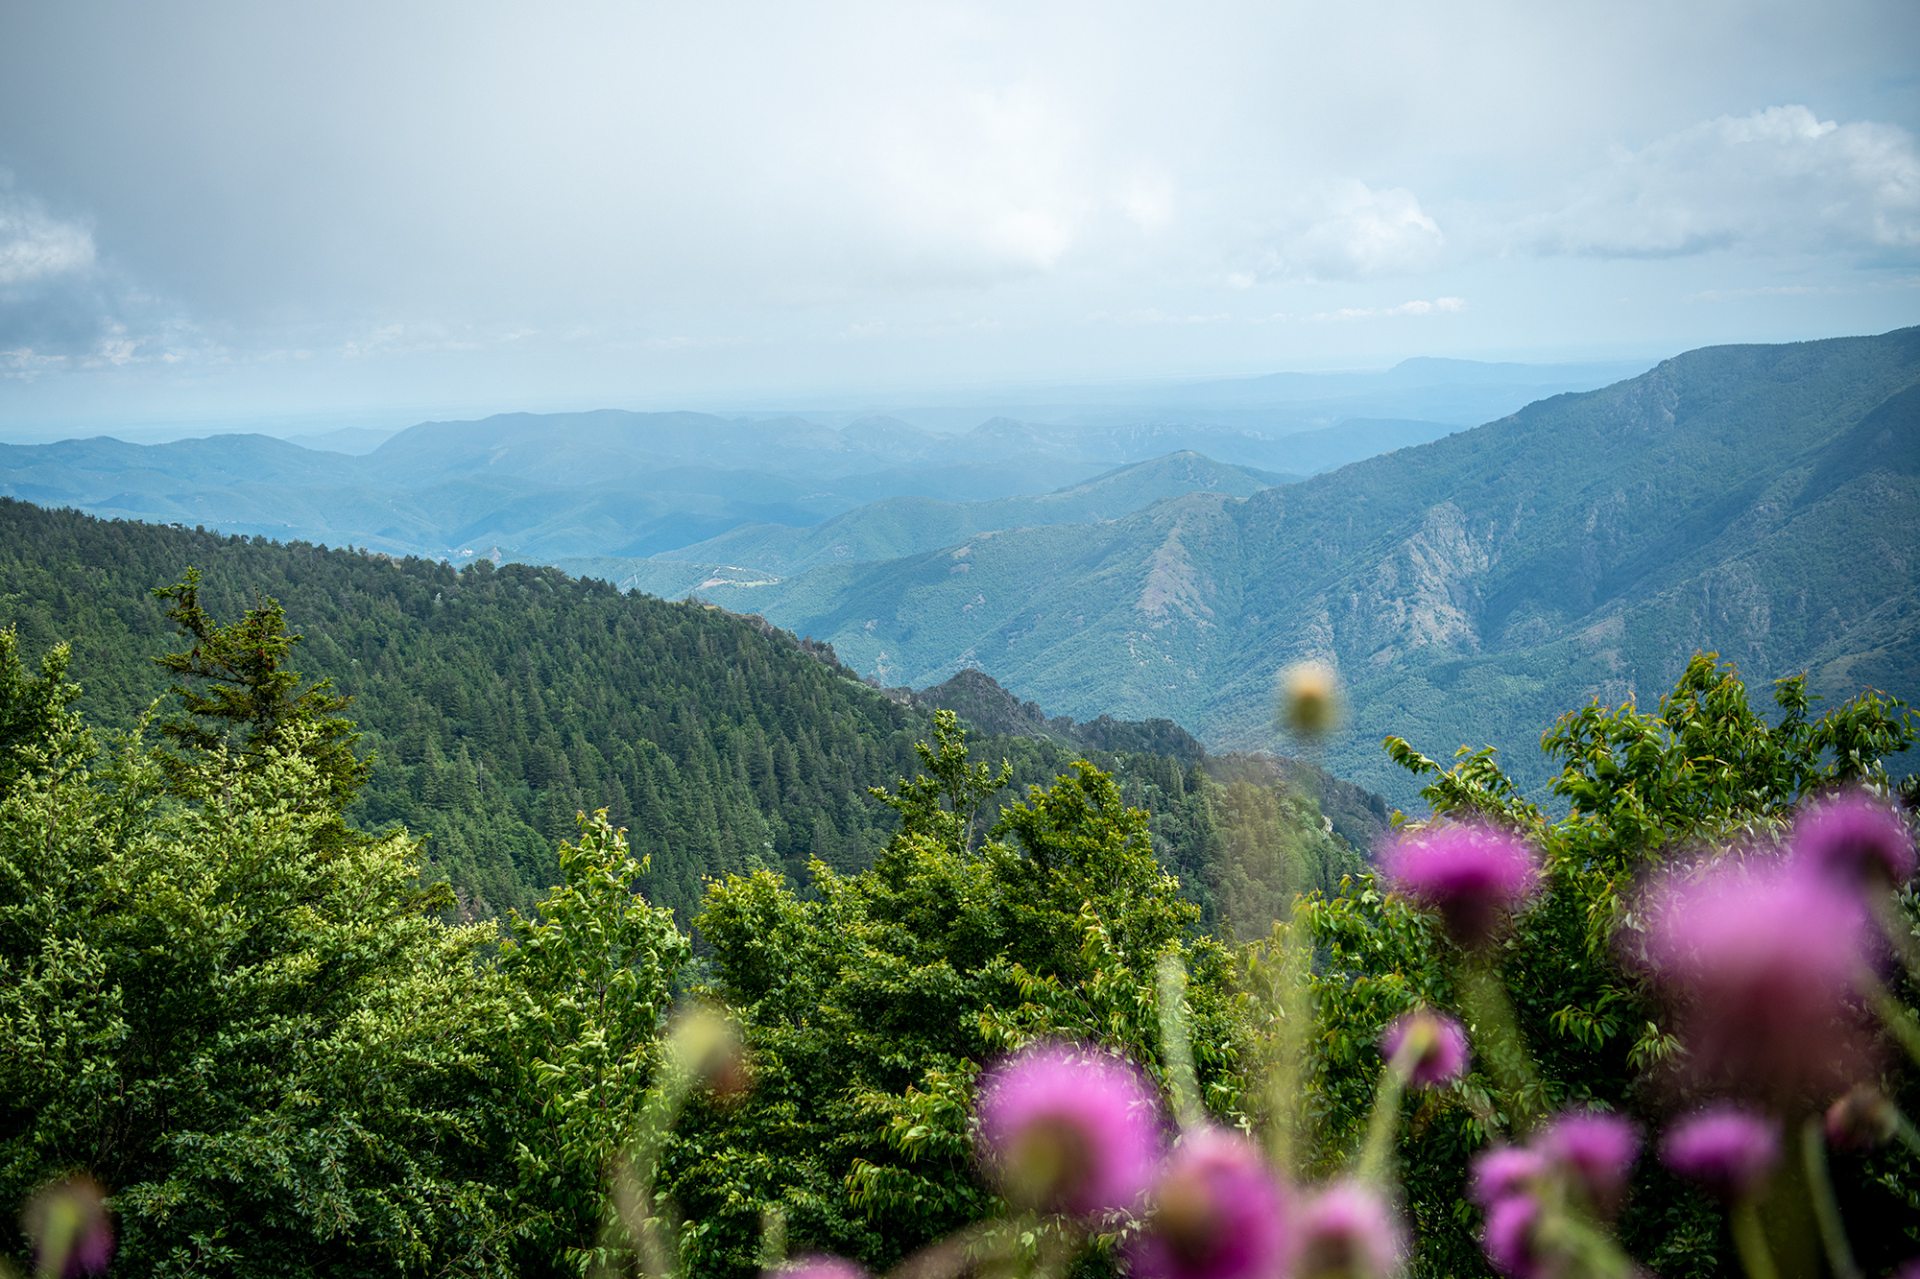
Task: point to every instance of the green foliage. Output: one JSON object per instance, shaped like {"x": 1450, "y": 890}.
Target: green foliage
{"x": 34, "y": 709}
{"x": 870, "y": 1008}
{"x": 254, "y": 1025}
{"x": 588, "y": 980}
{"x": 1706, "y": 768}
{"x": 261, "y": 1037}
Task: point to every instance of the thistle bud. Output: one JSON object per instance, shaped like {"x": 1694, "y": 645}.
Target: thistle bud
{"x": 71, "y": 1232}
{"x": 1861, "y": 1120}
{"x": 1309, "y": 699}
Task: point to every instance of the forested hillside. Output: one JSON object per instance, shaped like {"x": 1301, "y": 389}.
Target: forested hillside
{"x": 1760, "y": 501}
{"x": 500, "y": 702}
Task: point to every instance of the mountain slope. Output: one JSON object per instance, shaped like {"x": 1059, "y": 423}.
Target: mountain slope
{"x": 501, "y": 702}
{"x": 765, "y": 553}
{"x": 1761, "y": 501}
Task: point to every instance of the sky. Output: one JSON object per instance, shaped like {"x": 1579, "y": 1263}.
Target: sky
{"x": 374, "y": 213}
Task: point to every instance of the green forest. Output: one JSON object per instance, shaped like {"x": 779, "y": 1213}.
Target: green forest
{"x": 498, "y": 703}
{"x": 257, "y": 1026}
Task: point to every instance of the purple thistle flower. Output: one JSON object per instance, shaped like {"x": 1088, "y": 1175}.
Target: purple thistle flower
{"x": 1069, "y": 1129}
{"x": 1727, "y": 1149}
{"x": 1511, "y": 1242}
{"x": 1218, "y": 1213}
{"x": 1504, "y": 1172}
{"x": 1763, "y": 961}
{"x": 1473, "y": 876}
{"x": 1349, "y": 1231}
{"x": 1435, "y": 1043}
{"x": 1596, "y": 1151}
{"x": 819, "y": 1266}
{"x": 1856, "y": 839}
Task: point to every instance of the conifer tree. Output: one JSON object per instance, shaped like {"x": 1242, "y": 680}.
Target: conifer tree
{"x": 237, "y": 695}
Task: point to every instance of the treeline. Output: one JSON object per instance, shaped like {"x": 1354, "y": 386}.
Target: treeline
{"x": 500, "y": 702}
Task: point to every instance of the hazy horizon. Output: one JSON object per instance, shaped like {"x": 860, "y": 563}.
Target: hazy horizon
{"x": 221, "y": 213}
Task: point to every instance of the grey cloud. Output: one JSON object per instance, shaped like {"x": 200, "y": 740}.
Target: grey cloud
{"x": 617, "y": 198}
{"x": 61, "y": 309}
{"x": 35, "y": 245}
{"x": 1780, "y": 180}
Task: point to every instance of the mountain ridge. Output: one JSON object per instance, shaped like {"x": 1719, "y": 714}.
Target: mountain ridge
{"x": 1597, "y": 538}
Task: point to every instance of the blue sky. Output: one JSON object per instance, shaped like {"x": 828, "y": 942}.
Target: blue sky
{"x": 232, "y": 213}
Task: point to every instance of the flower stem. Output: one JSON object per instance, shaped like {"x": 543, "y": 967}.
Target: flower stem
{"x": 1903, "y": 1129}
{"x": 1384, "y": 1123}
{"x": 1898, "y": 933}
{"x": 1289, "y": 1001}
{"x": 1176, "y": 1047}
{"x": 773, "y": 1237}
{"x": 689, "y": 1047}
{"x": 1751, "y": 1242}
{"x": 1892, "y": 1014}
{"x": 1826, "y": 1206}
{"x": 1502, "y": 1046}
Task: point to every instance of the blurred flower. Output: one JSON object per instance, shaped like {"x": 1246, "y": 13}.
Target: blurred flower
{"x": 1309, "y": 698}
{"x": 1596, "y": 1151}
{"x": 71, "y": 1232}
{"x": 1727, "y": 1149}
{"x": 1511, "y": 1242}
{"x": 1474, "y": 876}
{"x": 707, "y": 1043}
{"x": 1218, "y": 1213}
{"x": 1435, "y": 1043}
{"x": 1855, "y": 838}
{"x": 819, "y": 1266}
{"x": 1069, "y": 1129}
{"x": 1762, "y": 961}
{"x": 1349, "y": 1231}
{"x": 1862, "y": 1119}
{"x": 1502, "y": 1172}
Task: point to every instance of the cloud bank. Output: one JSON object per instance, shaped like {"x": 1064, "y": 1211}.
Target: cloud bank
{"x": 1779, "y": 180}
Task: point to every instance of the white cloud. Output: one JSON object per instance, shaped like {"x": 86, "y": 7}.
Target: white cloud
{"x": 984, "y": 186}
{"x": 1413, "y": 307}
{"x": 1780, "y": 180}
{"x": 36, "y": 246}
{"x": 1346, "y": 230}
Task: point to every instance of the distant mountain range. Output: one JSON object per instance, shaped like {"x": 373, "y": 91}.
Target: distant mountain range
{"x": 1761, "y": 501}
{"x": 544, "y": 488}
{"x": 1164, "y": 562}
{"x": 763, "y": 554}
